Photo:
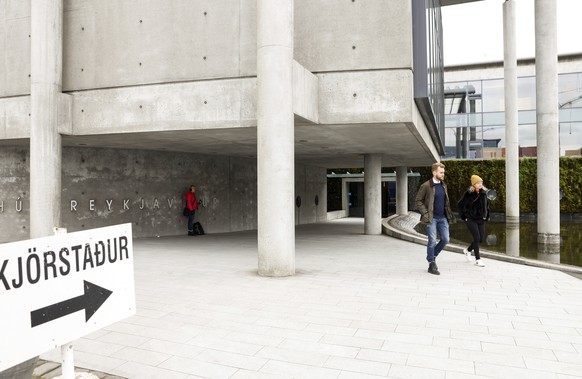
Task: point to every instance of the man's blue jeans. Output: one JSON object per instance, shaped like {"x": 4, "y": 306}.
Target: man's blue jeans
{"x": 433, "y": 249}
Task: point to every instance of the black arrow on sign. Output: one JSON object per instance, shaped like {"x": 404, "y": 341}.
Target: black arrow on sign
{"x": 90, "y": 301}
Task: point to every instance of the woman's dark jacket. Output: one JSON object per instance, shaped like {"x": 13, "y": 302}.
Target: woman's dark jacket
{"x": 474, "y": 205}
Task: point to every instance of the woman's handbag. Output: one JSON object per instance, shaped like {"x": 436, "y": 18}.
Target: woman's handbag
{"x": 186, "y": 212}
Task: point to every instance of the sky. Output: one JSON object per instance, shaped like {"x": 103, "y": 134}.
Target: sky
{"x": 473, "y": 32}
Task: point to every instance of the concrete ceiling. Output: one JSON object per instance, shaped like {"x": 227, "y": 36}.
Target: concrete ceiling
{"x": 328, "y": 146}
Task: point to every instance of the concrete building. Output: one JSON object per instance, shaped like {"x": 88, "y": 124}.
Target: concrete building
{"x": 475, "y": 107}
{"x": 109, "y": 110}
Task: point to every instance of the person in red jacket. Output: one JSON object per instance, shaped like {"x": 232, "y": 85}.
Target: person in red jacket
{"x": 192, "y": 205}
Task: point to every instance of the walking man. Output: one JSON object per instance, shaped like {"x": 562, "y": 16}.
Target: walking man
{"x": 432, "y": 201}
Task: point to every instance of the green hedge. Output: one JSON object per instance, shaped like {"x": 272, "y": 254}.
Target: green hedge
{"x": 458, "y": 177}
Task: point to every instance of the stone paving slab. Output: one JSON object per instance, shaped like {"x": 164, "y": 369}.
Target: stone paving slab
{"x": 52, "y": 370}
{"x": 359, "y": 307}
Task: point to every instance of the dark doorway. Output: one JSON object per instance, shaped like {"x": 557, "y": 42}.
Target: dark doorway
{"x": 356, "y": 199}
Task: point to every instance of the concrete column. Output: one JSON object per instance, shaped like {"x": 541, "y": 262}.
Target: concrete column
{"x": 345, "y": 204}
{"x": 45, "y": 141}
{"x": 373, "y": 194}
{"x": 401, "y": 190}
{"x": 511, "y": 124}
{"x": 275, "y": 138}
{"x": 548, "y": 163}
{"x": 512, "y": 239}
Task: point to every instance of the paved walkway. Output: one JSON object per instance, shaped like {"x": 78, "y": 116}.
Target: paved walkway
{"x": 359, "y": 307}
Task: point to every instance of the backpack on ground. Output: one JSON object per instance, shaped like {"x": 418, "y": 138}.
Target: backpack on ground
{"x": 198, "y": 229}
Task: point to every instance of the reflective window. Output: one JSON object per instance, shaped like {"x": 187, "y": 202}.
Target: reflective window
{"x": 493, "y": 133}
{"x": 493, "y": 96}
{"x": 570, "y": 90}
{"x": 526, "y": 117}
{"x": 526, "y": 93}
{"x": 527, "y": 135}
{"x": 451, "y": 136}
{"x": 493, "y": 118}
{"x": 455, "y": 85}
{"x": 435, "y": 61}
{"x": 570, "y": 138}
{"x": 477, "y": 105}
{"x": 475, "y": 117}
{"x": 455, "y": 94}
{"x": 427, "y": 36}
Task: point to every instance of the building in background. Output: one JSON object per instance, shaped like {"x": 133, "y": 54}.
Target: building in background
{"x": 474, "y": 108}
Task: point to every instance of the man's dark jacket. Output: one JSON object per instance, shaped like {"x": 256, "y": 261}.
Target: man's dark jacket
{"x": 425, "y": 202}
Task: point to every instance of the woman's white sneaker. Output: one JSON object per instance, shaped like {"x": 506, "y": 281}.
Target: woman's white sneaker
{"x": 468, "y": 256}
{"x": 479, "y": 263}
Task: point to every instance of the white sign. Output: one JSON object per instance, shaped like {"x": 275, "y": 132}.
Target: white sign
{"x": 56, "y": 289}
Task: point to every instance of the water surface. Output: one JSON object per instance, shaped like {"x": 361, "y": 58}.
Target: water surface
{"x": 522, "y": 241}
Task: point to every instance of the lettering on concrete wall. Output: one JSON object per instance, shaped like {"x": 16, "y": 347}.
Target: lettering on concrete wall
{"x": 17, "y": 205}
{"x": 125, "y": 205}
{"x": 110, "y": 204}
{"x": 49, "y": 265}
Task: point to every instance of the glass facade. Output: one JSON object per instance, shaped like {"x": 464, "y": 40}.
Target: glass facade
{"x": 428, "y": 65}
{"x": 475, "y": 118}
{"x": 435, "y": 72}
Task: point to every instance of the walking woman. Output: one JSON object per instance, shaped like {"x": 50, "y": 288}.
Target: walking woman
{"x": 474, "y": 210}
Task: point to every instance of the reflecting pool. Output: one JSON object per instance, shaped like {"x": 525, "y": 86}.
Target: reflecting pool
{"x": 522, "y": 241}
